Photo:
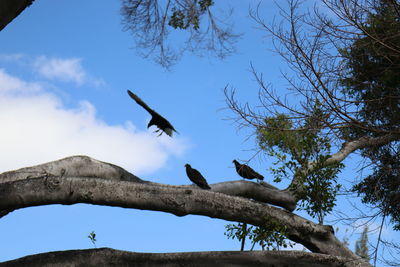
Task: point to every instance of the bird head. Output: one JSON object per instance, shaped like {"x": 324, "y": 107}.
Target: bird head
{"x": 235, "y": 161}
{"x": 187, "y": 165}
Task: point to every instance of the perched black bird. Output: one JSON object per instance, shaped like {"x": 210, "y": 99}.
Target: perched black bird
{"x": 156, "y": 119}
{"x": 246, "y": 172}
{"x": 196, "y": 177}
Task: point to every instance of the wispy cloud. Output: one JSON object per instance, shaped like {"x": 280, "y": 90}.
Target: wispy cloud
{"x": 63, "y": 69}
{"x": 36, "y": 128}
{"x": 12, "y": 85}
{"x": 55, "y": 68}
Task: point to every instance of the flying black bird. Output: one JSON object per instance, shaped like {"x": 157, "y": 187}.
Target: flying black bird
{"x": 196, "y": 177}
{"x": 246, "y": 172}
{"x": 156, "y": 119}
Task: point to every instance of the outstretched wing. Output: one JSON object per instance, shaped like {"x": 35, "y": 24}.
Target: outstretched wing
{"x": 156, "y": 119}
{"x": 142, "y": 104}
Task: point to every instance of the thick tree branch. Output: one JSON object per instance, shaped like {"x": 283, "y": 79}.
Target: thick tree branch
{"x": 112, "y": 257}
{"x": 55, "y": 187}
{"x": 261, "y": 192}
{"x": 10, "y": 9}
{"x": 83, "y": 166}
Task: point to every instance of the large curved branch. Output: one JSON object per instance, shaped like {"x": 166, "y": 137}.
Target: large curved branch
{"x": 178, "y": 200}
{"x": 83, "y": 166}
{"x": 112, "y": 257}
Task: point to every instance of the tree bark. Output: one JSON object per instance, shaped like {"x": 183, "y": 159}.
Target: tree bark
{"x": 82, "y": 166}
{"x": 106, "y": 184}
{"x": 111, "y": 257}
{"x": 10, "y": 9}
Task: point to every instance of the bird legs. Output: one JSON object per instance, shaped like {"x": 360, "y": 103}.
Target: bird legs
{"x": 158, "y": 130}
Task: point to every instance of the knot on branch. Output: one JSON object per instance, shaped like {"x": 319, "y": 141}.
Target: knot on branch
{"x": 51, "y": 184}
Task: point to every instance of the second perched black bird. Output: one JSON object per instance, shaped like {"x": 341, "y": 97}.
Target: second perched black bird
{"x": 196, "y": 177}
{"x": 246, "y": 172}
{"x": 156, "y": 119}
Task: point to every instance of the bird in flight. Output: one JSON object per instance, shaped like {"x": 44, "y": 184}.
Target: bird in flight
{"x": 156, "y": 119}
{"x": 246, "y": 172}
{"x": 196, "y": 177}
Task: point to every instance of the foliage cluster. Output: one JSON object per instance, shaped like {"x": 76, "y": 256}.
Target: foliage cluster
{"x": 184, "y": 17}
{"x": 269, "y": 237}
{"x": 294, "y": 149}
{"x": 373, "y": 64}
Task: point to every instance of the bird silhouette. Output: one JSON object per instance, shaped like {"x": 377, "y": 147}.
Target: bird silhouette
{"x": 156, "y": 119}
{"x": 196, "y": 177}
{"x": 247, "y": 172}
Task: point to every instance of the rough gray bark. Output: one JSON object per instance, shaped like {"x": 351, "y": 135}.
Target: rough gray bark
{"x": 79, "y": 166}
{"x": 263, "y": 192}
{"x": 10, "y": 9}
{"x": 366, "y": 141}
{"x": 111, "y": 257}
{"x": 56, "y": 183}
{"x": 82, "y": 166}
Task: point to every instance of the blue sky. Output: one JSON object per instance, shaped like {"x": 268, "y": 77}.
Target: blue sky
{"x": 65, "y": 67}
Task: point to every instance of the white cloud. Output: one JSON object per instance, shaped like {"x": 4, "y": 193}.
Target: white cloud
{"x": 66, "y": 70}
{"x": 62, "y": 69}
{"x": 37, "y": 128}
{"x": 10, "y": 84}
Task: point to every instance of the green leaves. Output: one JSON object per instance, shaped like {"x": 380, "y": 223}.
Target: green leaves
{"x": 177, "y": 20}
{"x": 294, "y": 148}
{"x": 236, "y": 231}
{"x": 319, "y": 190}
{"x": 204, "y": 4}
{"x": 372, "y": 63}
{"x": 92, "y": 237}
{"x": 372, "y": 66}
{"x": 189, "y": 17}
{"x": 270, "y": 237}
